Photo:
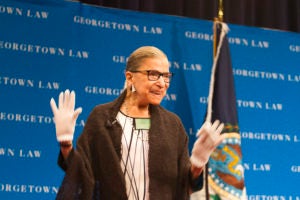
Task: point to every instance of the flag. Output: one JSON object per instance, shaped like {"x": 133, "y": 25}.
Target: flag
{"x": 225, "y": 172}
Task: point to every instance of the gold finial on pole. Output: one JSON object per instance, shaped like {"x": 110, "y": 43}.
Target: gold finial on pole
{"x": 220, "y": 11}
{"x": 216, "y": 20}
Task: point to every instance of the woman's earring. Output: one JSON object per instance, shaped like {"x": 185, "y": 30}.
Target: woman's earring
{"x": 133, "y": 88}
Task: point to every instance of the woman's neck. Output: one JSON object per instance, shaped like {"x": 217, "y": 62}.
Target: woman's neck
{"x": 133, "y": 109}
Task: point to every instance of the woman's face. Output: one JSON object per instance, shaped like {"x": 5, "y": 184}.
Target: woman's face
{"x": 151, "y": 91}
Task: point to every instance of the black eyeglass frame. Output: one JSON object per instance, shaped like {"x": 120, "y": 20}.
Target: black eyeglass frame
{"x": 167, "y": 76}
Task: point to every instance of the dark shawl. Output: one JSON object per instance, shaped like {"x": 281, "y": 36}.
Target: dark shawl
{"x": 93, "y": 169}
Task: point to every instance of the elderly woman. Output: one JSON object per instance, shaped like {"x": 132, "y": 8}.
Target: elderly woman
{"x": 131, "y": 148}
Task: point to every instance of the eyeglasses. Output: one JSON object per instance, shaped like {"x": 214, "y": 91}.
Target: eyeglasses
{"x": 154, "y": 75}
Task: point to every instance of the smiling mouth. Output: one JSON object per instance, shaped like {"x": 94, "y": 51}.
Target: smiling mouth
{"x": 157, "y": 93}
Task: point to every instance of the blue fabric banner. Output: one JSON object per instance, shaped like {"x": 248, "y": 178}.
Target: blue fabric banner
{"x": 48, "y": 47}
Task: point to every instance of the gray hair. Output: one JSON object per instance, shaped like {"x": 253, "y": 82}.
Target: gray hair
{"x": 136, "y": 58}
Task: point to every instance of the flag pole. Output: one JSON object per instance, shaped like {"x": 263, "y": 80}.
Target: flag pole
{"x": 208, "y": 117}
{"x": 216, "y": 20}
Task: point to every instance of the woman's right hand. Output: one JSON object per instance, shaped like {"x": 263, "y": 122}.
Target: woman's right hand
{"x": 65, "y": 116}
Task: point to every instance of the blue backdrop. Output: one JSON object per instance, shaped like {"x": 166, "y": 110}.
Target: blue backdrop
{"x": 48, "y": 47}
